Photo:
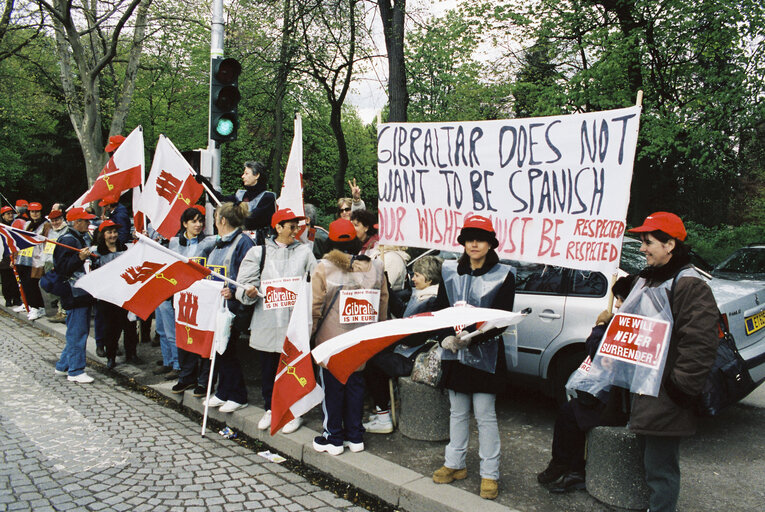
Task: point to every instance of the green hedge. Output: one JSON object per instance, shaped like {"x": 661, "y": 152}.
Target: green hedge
{"x": 715, "y": 243}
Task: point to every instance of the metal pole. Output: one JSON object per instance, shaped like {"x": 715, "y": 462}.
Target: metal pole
{"x": 216, "y": 50}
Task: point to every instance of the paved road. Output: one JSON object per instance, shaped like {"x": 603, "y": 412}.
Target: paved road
{"x": 67, "y": 446}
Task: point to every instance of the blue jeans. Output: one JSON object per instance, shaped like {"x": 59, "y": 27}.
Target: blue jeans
{"x": 77, "y": 328}
{"x": 164, "y": 317}
{"x": 459, "y": 432}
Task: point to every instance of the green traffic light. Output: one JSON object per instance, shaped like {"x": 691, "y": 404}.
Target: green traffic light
{"x": 224, "y": 126}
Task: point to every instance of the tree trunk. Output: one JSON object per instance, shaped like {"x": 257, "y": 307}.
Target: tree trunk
{"x": 335, "y": 122}
{"x": 392, "y": 13}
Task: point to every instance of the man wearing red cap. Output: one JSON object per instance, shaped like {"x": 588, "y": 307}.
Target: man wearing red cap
{"x": 53, "y": 229}
{"x": 21, "y": 210}
{"x": 680, "y": 295}
{"x": 349, "y": 291}
{"x": 10, "y": 286}
{"x": 70, "y": 265}
{"x": 475, "y": 370}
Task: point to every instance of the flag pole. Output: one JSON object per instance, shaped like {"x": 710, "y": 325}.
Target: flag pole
{"x": 209, "y": 387}
{"x": 18, "y": 282}
{"x": 187, "y": 260}
{"x": 209, "y": 193}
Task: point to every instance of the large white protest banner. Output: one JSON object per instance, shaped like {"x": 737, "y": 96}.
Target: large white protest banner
{"x": 556, "y": 188}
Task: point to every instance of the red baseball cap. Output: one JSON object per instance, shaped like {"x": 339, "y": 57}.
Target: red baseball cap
{"x": 342, "y": 230}
{"x": 6, "y": 209}
{"x": 108, "y": 223}
{"x": 201, "y": 209}
{"x": 55, "y": 214}
{"x": 110, "y": 199}
{"x": 667, "y": 222}
{"x": 21, "y": 202}
{"x": 79, "y": 213}
{"x": 34, "y": 207}
{"x": 478, "y": 227}
{"x": 284, "y": 215}
{"x": 114, "y": 143}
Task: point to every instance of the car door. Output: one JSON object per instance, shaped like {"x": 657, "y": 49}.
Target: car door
{"x": 541, "y": 288}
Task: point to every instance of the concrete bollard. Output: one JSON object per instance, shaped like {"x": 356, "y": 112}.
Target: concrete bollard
{"x": 615, "y": 474}
{"x": 424, "y": 412}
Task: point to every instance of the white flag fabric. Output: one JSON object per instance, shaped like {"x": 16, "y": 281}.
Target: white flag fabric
{"x": 169, "y": 190}
{"x": 291, "y": 195}
{"x": 295, "y": 388}
{"x": 345, "y": 353}
{"x": 141, "y": 278}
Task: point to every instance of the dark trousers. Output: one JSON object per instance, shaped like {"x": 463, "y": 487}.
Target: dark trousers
{"x": 31, "y": 287}
{"x": 661, "y": 459}
{"x": 99, "y": 326}
{"x": 568, "y": 439}
{"x": 230, "y": 378}
{"x": 10, "y": 287}
{"x": 343, "y": 407}
{"x": 269, "y": 362}
{"x": 194, "y": 368}
{"x": 114, "y": 322}
{"x": 382, "y": 367}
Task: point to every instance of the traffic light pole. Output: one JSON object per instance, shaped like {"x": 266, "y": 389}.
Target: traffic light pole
{"x": 216, "y": 50}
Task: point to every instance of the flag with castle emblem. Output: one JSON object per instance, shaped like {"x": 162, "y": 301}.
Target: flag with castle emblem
{"x": 195, "y": 314}
{"x": 123, "y": 171}
{"x": 141, "y": 278}
{"x": 295, "y": 390}
{"x": 169, "y": 190}
{"x": 344, "y": 354}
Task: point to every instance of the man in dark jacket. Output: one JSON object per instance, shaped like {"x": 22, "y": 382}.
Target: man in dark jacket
{"x": 119, "y": 214}
{"x": 70, "y": 265}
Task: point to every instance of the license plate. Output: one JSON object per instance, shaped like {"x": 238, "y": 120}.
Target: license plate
{"x": 755, "y": 322}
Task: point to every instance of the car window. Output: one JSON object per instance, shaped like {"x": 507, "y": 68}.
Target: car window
{"x": 747, "y": 261}
{"x": 538, "y": 278}
{"x": 632, "y": 260}
{"x": 588, "y": 283}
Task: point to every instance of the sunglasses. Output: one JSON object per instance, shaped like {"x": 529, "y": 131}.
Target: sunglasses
{"x": 345, "y": 209}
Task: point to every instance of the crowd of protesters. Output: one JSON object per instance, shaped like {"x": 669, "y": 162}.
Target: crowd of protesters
{"x": 260, "y": 246}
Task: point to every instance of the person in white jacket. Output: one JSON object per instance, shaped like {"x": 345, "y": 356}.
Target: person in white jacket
{"x": 273, "y": 272}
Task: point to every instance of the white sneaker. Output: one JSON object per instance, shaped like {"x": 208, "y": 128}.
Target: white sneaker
{"x": 82, "y": 378}
{"x": 19, "y": 308}
{"x": 265, "y": 421}
{"x": 59, "y": 372}
{"x": 292, "y": 425}
{"x": 381, "y": 424}
{"x": 354, "y": 447}
{"x": 231, "y": 406}
{"x": 213, "y": 401}
{"x": 35, "y": 313}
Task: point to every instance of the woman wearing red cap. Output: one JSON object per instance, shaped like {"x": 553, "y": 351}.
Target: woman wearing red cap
{"x": 680, "y": 295}
{"x": 10, "y": 286}
{"x": 274, "y": 271}
{"x": 30, "y": 265}
{"x": 476, "y": 279}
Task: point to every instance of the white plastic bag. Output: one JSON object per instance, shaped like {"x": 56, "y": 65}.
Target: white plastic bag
{"x": 223, "y": 321}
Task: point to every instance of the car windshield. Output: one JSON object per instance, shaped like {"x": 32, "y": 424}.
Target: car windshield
{"x": 632, "y": 260}
{"x": 749, "y": 260}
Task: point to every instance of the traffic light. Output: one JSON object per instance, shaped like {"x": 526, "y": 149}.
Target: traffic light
{"x": 224, "y": 98}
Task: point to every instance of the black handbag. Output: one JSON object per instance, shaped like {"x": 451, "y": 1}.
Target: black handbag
{"x": 729, "y": 380}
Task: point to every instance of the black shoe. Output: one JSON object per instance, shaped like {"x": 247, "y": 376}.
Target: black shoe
{"x": 573, "y": 481}
{"x": 200, "y": 391}
{"x": 111, "y": 363}
{"x": 100, "y": 351}
{"x": 134, "y": 359}
{"x": 119, "y": 352}
{"x": 173, "y": 374}
{"x": 553, "y": 472}
{"x": 160, "y": 363}
{"x": 162, "y": 370}
{"x": 155, "y": 341}
{"x": 181, "y": 387}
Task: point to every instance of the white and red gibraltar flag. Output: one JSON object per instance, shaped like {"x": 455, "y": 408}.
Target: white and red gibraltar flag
{"x": 345, "y": 353}
{"x": 123, "y": 171}
{"x": 295, "y": 389}
{"x": 195, "y": 314}
{"x": 291, "y": 195}
{"x": 169, "y": 190}
{"x": 141, "y": 278}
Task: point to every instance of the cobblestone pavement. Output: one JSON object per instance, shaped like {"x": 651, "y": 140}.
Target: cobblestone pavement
{"x": 78, "y": 447}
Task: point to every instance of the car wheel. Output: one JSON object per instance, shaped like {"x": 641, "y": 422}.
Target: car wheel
{"x": 563, "y": 366}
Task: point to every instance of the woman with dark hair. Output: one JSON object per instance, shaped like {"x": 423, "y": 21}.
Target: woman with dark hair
{"x": 394, "y": 258}
{"x": 476, "y": 279}
{"x": 194, "y": 244}
{"x": 365, "y": 223}
{"x": 261, "y": 203}
{"x": 30, "y": 266}
{"x": 675, "y": 291}
{"x": 230, "y": 249}
{"x": 114, "y": 318}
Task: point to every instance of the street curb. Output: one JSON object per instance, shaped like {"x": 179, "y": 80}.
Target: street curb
{"x": 397, "y": 485}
